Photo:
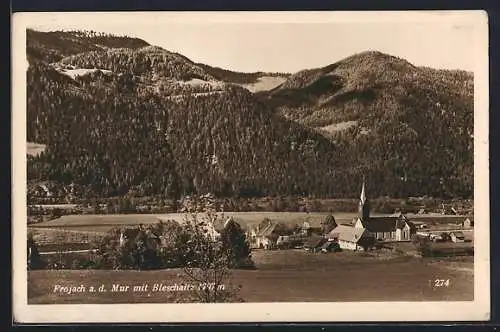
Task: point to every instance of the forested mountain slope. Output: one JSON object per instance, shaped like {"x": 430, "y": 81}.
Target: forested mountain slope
{"x": 120, "y": 116}
{"x": 115, "y": 133}
{"x": 54, "y": 45}
{"x": 407, "y": 127}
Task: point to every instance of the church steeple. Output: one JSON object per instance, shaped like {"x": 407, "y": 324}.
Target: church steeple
{"x": 364, "y": 204}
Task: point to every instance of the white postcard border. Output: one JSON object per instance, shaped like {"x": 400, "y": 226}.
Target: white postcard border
{"x": 479, "y": 309}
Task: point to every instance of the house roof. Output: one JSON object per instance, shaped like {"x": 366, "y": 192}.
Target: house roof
{"x": 220, "y": 225}
{"x": 267, "y": 230}
{"x": 399, "y": 214}
{"x": 347, "y": 233}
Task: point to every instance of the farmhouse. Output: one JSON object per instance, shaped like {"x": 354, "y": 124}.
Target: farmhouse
{"x": 392, "y": 228}
{"x": 308, "y": 230}
{"x": 141, "y": 235}
{"x": 265, "y": 235}
{"x": 351, "y": 238}
{"x": 314, "y": 243}
{"x": 468, "y": 223}
{"x": 457, "y": 237}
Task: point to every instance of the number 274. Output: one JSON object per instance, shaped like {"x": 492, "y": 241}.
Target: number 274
{"x": 440, "y": 282}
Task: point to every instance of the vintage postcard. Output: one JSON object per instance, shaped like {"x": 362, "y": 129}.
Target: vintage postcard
{"x": 250, "y": 166}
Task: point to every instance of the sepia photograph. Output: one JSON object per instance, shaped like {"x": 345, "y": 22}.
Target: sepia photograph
{"x": 250, "y": 166}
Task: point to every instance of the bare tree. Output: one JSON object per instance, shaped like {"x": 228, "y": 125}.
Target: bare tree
{"x": 207, "y": 261}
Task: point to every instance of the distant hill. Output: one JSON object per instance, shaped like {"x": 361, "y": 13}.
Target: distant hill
{"x": 146, "y": 121}
{"x": 118, "y": 116}
{"x": 369, "y": 82}
{"x": 405, "y": 126}
{"x": 53, "y": 46}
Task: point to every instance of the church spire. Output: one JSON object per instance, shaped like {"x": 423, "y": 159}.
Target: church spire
{"x": 362, "y": 198}
{"x": 364, "y": 205}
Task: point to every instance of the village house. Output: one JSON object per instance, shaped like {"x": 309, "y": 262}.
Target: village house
{"x": 468, "y": 223}
{"x": 307, "y": 229}
{"x": 392, "y": 228}
{"x": 457, "y": 237}
{"x": 351, "y": 238}
{"x": 314, "y": 243}
{"x": 214, "y": 230}
{"x": 265, "y": 235}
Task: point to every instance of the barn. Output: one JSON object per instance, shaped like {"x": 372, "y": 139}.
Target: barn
{"x": 314, "y": 243}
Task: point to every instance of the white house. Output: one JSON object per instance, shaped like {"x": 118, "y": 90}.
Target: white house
{"x": 457, "y": 237}
{"x": 265, "y": 235}
{"x": 351, "y": 238}
{"x": 468, "y": 222}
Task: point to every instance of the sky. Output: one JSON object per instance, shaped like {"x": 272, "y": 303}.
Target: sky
{"x": 289, "y": 43}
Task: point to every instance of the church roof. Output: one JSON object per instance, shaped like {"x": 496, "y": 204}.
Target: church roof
{"x": 384, "y": 224}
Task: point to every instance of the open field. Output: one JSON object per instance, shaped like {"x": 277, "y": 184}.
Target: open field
{"x": 54, "y": 206}
{"x": 105, "y": 222}
{"x": 59, "y": 235}
{"x": 281, "y": 276}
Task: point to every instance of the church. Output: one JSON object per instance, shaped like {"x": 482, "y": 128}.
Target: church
{"x": 390, "y": 228}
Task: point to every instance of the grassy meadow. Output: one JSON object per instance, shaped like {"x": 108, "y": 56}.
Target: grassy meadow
{"x": 281, "y": 276}
{"x": 104, "y": 222}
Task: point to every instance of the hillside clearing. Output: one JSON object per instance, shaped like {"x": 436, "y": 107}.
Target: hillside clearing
{"x": 335, "y": 127}
{"x": 264, "y": 83}
{"x": 74, "y": 73}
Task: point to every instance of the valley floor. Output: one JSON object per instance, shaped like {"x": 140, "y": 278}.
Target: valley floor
{"x": 281, "y": 276}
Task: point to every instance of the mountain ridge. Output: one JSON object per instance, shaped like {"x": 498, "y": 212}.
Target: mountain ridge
{"x": 318, "y": 132}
